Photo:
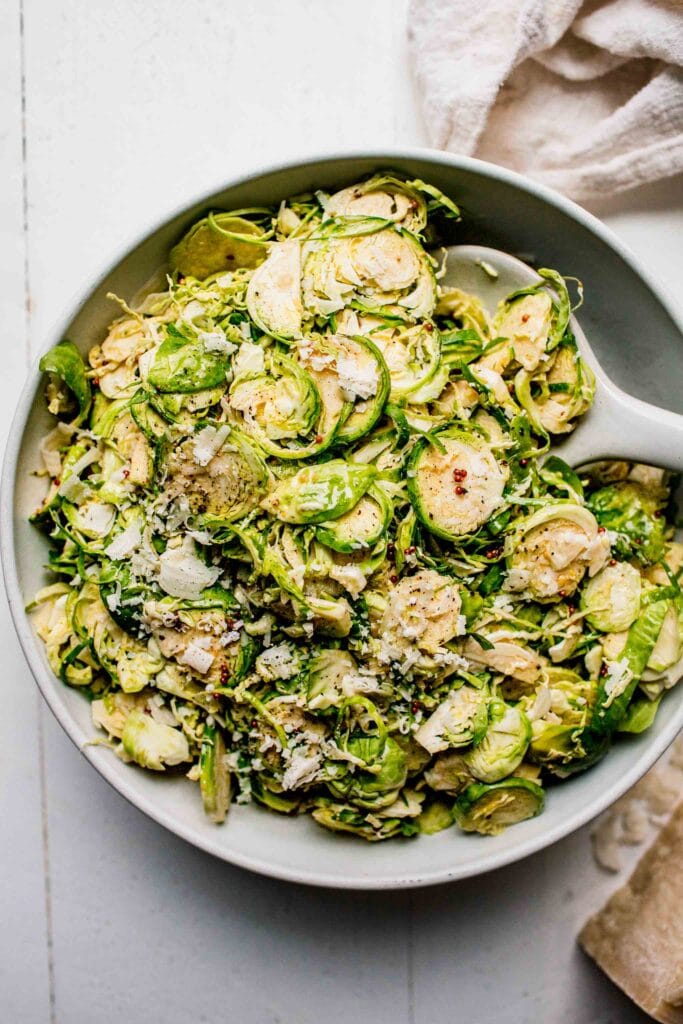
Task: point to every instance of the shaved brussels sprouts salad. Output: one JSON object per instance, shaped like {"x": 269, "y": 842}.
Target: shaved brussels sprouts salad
{"x": 308, "y": 544}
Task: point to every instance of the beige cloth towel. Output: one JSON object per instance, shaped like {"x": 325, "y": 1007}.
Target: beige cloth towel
{"x": 584, "y": 96}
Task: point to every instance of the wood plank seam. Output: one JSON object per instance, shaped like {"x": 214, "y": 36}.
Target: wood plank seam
{"x": 42, "y": 768}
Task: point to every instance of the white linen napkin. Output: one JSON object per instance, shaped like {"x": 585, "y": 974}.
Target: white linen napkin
{"x": 584, "y": 95}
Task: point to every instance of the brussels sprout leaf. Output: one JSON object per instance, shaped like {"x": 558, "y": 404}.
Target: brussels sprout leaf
{"x": 182, "y": 365}
{"x": 66, "y": 363}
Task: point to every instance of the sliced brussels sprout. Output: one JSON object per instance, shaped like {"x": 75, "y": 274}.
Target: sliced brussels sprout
{"x": 365, "y": 765}
{"x": 281, "y": 803}
{"x": 214, "y": 777}
{"x": 619, "y": 678}
{"x": 92, "y": 518}
{"x": 279, "y": 404}
{"x": 278, "y": 663}
{"x": 437, "y": 201}
{"x": 111, "y": 711}
{"x": 448, "y": 773}
{"x": 554, "y": 397}
{"x": 65, "y": 363}
{"x": 362, "y": 526}
{"x": 331, "y": 616}
{"x": 344, "y": 818}
{"x": 87, "y": 610}
{"x": 108, "y": 416}
{"x": 455, "y": 483}
{"x": 551, "y": 550}
{"x": 152, "y": 425}
{"x": 559, "y": 712}
{"x": 667, "y": 651}
{"x": 375, "y": 267}
{"x": 611, "y": 599}
{"x": 386, "y": 262}
{"x": 274, "y": 292}
{"x": 224, "y": 488}
{"x": 327, "y": 671}
{"x": 670, "y": 566}
{"x": 184, "y": 365}
{"x": 423, "y": 610}
{"x": 119, "y": 382}
{"x": 417, "y": 758}
{"x": 151, "y": 744}
{"x": 52, "y": 619}
{"x": 364, "y": 380}
{"x": 504, "y": 744}
{"x": 505, "y": 652}
{"x": 335, "y": 409}
{"x": 200, "y": 630}
{"x": 290, "y": 408}
{"x": 175, "y": 681}
{"x": 633, "y": 515}
{"x": 375, "y": 788}
{"x": 564, "y": 628}
{"x": 131, "y": 664}
{"x": 182, "y": 409}
{"x": 383, "y": 196}
{"x": 490, "y": 809}
{"x": 408, "y": 804}
{"x": 640, "y": 715}
{"x": 458, "y": 721}
{"x": 525, "y": 322}
{"x": 318, "y": 493}
{"x": 217, "y": 243}
{"x": 532, "y": 321}
{"x": 412, "y": 355}
{"x": 435, "y": 818}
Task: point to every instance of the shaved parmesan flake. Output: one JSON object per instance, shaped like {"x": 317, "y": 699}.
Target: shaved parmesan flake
{"x": 351, "y": 578}
{"x": 208, "y": 442}
{"x": 357, "y": 378}
{"x": 249, "y": 359}
{"x": 50, "y": 445}
{"x": 215, "y": 341}
{"x": 197, "y": 658}
{"x": 182, "y": 574}
{"x": 124, "y": 543}
{"x": 618, "y": 677}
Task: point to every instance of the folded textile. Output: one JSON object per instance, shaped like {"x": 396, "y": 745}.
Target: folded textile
{"x": 584, "y": 96}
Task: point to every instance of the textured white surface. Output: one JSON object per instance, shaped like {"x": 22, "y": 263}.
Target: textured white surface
{"x": 111, "y": 115}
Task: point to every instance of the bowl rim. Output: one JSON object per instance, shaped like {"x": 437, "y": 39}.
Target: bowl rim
{"x": 46, "y": 681}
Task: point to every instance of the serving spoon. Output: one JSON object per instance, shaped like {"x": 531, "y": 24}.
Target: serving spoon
{"x": 617, "y": 426}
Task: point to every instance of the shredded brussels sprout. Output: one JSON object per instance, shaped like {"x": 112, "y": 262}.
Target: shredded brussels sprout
{"x": 307, "y": 545}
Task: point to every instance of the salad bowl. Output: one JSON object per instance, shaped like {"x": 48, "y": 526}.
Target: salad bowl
{"x": 635, "y": 335}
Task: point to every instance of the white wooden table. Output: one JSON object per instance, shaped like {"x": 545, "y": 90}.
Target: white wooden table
{"x": 113, "y": 113}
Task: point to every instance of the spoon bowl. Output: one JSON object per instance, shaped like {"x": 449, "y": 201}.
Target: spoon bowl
{"x": 617, "y": 426}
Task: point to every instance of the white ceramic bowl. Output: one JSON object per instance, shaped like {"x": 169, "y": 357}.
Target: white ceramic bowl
{"x": 624, "y": 312}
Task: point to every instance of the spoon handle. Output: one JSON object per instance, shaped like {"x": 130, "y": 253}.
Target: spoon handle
{"x": 619, "y": 426}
